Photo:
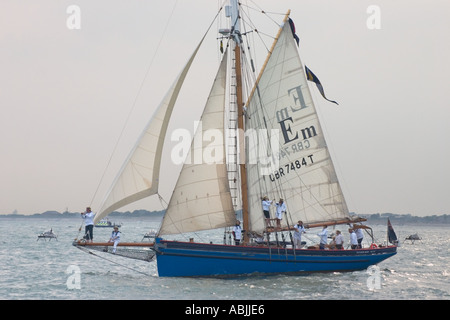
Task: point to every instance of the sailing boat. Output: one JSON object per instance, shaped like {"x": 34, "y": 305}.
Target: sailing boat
{"x": 281, "y": 153}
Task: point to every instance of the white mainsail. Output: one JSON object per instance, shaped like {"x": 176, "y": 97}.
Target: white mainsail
{"x": 282, "y": 123}
{"x": 139, "y": 176}
{"x": 201, "y": 199}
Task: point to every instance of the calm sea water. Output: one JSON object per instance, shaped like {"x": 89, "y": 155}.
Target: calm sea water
{"x": 32, "y": 269}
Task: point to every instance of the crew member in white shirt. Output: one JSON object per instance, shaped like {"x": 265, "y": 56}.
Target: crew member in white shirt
{"x": 339, "y": 240}
{"x": 298, "y": 230}
{"x": 88, "y": 217}
{"x": 353, "y": 239}
{"x": 237, "y": 232}
{"x": 266, "y": 210}
{"x": 359, "y": 237}
{"x": 281, "y": 208}
{"x": 115, "y": 237}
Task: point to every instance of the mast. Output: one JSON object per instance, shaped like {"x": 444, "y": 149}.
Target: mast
{"x": 236, "y": 35}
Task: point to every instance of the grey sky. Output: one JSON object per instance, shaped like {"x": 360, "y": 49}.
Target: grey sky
{"x": 65, "y": 95}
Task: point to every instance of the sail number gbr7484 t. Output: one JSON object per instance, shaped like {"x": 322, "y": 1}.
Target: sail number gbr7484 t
{"x": 291, "y": 167}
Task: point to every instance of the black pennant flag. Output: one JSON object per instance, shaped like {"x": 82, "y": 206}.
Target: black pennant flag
{"x": 312, "y": 77}
{"x": 291, "y": 23}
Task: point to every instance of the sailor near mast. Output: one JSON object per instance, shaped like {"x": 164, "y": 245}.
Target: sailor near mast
{"x": 236, "y": 36}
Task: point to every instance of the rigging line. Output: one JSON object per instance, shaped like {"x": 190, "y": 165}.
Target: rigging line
{"x": 79, "y": 230}
{"x": 264, "y": 12}
{"x": 259, "y": 33}
{"x": 309, "y": 188}
{"x": 264, "y": 114}
{"x": 278, "y": 184}
{"x": 161, "y": 200}
{"x": 207, "y": 31}
{"x": 299, "y": 177}
{"x": 285, "y": 246}
{"x": 257, "y": 87}
{"x": 258, "y": 121}
{"x": 312, "y": 241}
{"x": 134, "y": 101}
{"x": 334, "y": 159}
{"x": 261, "y": 184}
{"x": 113, "y": 262}
{"x": 250, "y": 77}
{"x": 345, "y": 209}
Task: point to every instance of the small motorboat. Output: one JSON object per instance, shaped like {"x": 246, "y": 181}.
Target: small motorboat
{"x": 47, "y": 235}
{"x": 105, "y": 223}
{"x": 149, "y": 235}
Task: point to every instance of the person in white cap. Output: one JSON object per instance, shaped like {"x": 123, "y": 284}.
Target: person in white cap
{"x": 115, "y": 237}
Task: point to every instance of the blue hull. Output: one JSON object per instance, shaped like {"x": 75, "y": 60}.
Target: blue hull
{"x": 185, "y": 259}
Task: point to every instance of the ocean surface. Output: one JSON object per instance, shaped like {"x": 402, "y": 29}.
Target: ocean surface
{"x": 55, "y": 270}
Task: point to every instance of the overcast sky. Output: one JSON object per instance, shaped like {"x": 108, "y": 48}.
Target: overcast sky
{"x": 66, "y": 92}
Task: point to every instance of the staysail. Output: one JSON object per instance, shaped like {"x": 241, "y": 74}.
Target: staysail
{"x": 201, "y": 199}
{"x": 287, "y": 154}
{"x": 139, "y": 175}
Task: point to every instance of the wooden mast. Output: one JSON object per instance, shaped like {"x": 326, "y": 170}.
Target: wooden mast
{"x": 242, "y": 166}
{"x": 236, "y": 34}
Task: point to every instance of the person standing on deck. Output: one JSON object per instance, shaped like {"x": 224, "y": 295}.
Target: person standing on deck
{"x": 266, "y": 206}
{"x": 339, "y": 240}
{"x": 353, "y": 239}
{"x": 237, "y": 232}
{"x": 359, "y": 237}
{"x": 323, "y": 237}
{"x": 298, "y": 230}
{"x": 88, "y": 217}
{"x": 281, "y": 208}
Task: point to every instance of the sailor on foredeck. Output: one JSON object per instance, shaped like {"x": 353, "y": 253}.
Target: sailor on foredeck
{"x": 115, "y": 237}
{"x": 88, "y": 217}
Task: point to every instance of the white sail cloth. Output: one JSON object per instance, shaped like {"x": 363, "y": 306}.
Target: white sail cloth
{"x": 201, "y": 199}
{"x": 282, "y": 126}
{"x": 139, "y": 176}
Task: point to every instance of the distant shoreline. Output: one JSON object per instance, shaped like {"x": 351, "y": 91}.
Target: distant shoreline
{"x": 408, "y": 219}
{"x": 377, "y": 218}
{"x": 59, "y": 215}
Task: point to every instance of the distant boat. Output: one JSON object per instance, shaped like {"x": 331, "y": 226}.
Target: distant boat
{"x": 413, "y": 238}
{"x": 47, "y": 235}
{"x": 105, "y": 223}
{"x": 151, "y": 235}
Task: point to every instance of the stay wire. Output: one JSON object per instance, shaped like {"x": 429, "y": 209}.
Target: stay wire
{"x": 133, "y": 106}
{"x": 111, "y": 261}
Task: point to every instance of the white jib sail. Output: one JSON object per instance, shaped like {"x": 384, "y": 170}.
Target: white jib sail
{"x": 201, "y": 199}
{"x": 139, "y": 176}
{"x": 287, "y": 153}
